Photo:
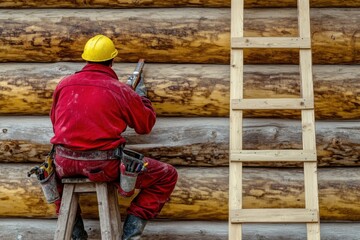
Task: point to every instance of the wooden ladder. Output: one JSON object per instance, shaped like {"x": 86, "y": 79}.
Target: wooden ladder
{"x": 238, "y": 215}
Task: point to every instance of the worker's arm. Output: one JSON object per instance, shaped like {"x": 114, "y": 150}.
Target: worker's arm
{"x": 138, "y": 111}
{"x": 52, "y": 110}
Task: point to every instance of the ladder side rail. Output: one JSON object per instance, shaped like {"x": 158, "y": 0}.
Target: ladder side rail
{"x": 308, "y": 120}
{"x": 236, "y": 117}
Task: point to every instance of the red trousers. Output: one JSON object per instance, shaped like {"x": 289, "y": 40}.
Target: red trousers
{"x": 156, "y": 183}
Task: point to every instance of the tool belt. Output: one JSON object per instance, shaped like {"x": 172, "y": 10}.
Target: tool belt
{"x": 89, "y": 155}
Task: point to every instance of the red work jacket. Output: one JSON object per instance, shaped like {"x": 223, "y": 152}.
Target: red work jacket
{"x": 91, "y": 109}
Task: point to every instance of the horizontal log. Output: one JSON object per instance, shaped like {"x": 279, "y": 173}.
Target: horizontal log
{"x": 202, "y": 193}
{"x": 43, "y": 229}
{"x": 192, "y": 89}
{"x": 189, "y": 35}
{"x": 167, "y": 3}
{"x": 194, "y": 141}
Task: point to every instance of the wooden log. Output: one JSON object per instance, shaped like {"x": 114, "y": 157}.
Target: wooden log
{"x": 167, "y": 3}
{"x": 191, "y": 35}
{"x": 202, "y": 193}
{"x": 192, "y": 89}
{"x": 43, "y": 229}
{"x": 194, "y": 141}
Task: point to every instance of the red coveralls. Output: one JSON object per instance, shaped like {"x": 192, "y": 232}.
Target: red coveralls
{"x": 90, "y": 110}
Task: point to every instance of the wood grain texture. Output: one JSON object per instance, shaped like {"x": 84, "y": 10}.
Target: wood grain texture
{"x": 194, "y": 141}
{"x": 189, "y": 35}
{"x": 191, "y": 89}
{"x": 202, "y": 193}
{"x": 166, "y": 3}
{"x": 43, "y": 229}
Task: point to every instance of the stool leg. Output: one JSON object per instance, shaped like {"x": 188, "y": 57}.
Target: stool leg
{"x": 67, "y": 214}
{"x": 104, "y": 211}
{"x": 114, "y": 212}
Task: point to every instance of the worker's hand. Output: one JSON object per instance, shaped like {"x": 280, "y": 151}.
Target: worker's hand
{"x": 141, "y": 89}
{"x": 130, "y": 80}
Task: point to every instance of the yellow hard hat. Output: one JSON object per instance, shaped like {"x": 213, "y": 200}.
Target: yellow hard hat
{"x": 99, "y": 49}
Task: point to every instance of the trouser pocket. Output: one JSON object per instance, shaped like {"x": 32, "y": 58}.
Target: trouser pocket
{"x": 98, "y": 176}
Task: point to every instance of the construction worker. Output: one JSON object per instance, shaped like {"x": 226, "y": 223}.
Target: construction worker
{"x": 90, "y": 111}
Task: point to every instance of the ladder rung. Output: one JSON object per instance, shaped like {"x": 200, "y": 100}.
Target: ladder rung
{"x": 274, "y": 155}
{"x": 278, "y": 103}
{"x": 281, "y": 215}
{"x": 271, "y": 42}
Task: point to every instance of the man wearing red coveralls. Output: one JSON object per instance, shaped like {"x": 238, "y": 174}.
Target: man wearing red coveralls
{"x": 90, "y": 110}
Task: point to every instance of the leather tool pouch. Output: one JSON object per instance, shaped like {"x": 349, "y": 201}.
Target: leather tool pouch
{"x": 47, "y": 178}
{"x": 131, "y": 165}
{"x": 49, "y": 188}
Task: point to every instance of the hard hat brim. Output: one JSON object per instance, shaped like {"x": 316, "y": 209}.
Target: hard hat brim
{"x": 86, "y": 58}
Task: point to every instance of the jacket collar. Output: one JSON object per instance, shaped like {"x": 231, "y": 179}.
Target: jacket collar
{"x": 93, "y": 67}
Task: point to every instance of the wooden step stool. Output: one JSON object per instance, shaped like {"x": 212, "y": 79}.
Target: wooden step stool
{"x": 110, "y": 221}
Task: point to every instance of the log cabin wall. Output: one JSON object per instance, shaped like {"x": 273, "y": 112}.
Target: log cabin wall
{"x": 186, "y": 45}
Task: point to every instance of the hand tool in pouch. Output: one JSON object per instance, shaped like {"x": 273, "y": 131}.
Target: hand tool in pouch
{"x": 131, "y": 165}
{"x": 45, "y": 173}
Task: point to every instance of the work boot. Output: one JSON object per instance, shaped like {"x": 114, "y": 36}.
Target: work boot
{"x": 79, "y": 232}
{"x": 133, "y": 227}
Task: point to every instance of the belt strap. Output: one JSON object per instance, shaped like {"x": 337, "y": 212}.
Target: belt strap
{"x": 86, "y": 155}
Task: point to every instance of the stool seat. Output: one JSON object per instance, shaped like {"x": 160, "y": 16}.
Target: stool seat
{"x": 107, "y": 196}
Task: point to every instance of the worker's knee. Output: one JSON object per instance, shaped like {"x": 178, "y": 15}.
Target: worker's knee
{"x": 173, "y": 174}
